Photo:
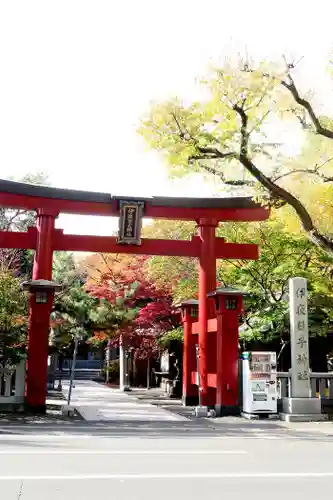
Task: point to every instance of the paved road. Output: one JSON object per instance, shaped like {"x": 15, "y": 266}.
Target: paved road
{"x": 137, "y": 452}
{"x": 60, "y": 462}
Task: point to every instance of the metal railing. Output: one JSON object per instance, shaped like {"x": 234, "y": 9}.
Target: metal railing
{"x": 321, "y": 385}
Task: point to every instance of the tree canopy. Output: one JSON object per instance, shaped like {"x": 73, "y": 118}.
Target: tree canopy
{"x": 13, "y": 319}
{"x": 131, "y": 303}
{"x": 19, "y": 260}
{"x": 282, "y": 255}
{"x": 233, "y": 133}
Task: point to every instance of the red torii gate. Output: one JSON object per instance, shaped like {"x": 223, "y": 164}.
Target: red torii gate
{"x": 45, "y": 239}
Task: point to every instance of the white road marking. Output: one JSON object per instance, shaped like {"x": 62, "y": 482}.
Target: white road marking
{"x": 111, "y": 434}
{"x": 123, "y": 452}
{"x": 198, "y": 475}
{"x": 265, "y": 436}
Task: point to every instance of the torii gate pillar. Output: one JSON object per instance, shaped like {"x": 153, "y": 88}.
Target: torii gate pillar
{"x": 207, "y": 283}
{"x": 40, "y": 307}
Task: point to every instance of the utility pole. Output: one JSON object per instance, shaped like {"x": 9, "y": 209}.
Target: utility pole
{"x": 71, "y": 381}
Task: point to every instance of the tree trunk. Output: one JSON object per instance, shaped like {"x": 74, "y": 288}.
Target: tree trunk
{"x": 148, "y": 373}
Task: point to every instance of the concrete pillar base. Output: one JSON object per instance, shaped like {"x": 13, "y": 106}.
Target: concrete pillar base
{"x": 125, "y": 388}
{"x": 259, "y": 416}
{"x": 201, "y": 411}
{"x": 303, "y": 417}
{"x": 68, "y": 411}
{"x": 302, "y": 410}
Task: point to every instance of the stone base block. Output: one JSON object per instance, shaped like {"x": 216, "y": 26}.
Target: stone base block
{"x": 201, "y": 411}
{"x": 302, "y": 406}
{"x": 68, "y": 411}
{"x": 260, "y": 416}
{"x": 303, "y": 417}
{"x": 250, "y": 416}
{"x": 302, "y": 410}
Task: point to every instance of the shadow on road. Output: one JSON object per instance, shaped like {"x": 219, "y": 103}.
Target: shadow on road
{"x": 155, "y": 430}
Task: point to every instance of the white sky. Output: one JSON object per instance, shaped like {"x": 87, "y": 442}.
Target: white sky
{"x": 77, "y": 75}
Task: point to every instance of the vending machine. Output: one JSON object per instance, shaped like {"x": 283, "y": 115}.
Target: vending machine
{"x": 259, "y": 377}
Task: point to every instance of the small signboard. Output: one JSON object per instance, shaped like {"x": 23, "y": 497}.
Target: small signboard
{"x": 259, "y": 397}
{"x": 130, "y": 222}
{"x": 258, "y": 386}
{"x": 259, "y": 375}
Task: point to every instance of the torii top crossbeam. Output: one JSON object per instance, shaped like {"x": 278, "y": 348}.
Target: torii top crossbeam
{"x": 54, "y": 201}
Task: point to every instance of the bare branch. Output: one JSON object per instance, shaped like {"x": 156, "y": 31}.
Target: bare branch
{"x": 278, "y": 192}
{"x": 244, "y": 132}
{"x": 312, "y": 171}
{"x": 289, "y": 84}
{"x": 211, "y": 154}
{"x": 260, "y": 122}
{"x": 323, "y": 164}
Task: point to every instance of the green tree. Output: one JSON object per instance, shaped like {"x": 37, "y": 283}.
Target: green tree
{"x": 282, "y": 255}
{"x": 228, "y": 135}
{"x": 13, "y": 319}
{"x": 17, "y": 259}
{"x": 73, "y": 306}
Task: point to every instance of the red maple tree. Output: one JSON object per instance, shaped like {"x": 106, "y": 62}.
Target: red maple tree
{"x": 126, "y": 281}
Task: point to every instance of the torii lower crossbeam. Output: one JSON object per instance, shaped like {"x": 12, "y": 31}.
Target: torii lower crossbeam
{"x": 108, "y": 244}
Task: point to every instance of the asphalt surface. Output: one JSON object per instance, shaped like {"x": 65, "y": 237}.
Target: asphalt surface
{"x": 140, "y": 458}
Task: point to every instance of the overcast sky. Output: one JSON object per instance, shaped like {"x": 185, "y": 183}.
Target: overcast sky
{"x": 77, "y": 75}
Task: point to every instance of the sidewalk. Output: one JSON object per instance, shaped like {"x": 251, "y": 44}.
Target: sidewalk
{"x": 96, "y": 402}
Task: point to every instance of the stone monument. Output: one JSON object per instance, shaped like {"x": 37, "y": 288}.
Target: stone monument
{"x": 300, "y": 406}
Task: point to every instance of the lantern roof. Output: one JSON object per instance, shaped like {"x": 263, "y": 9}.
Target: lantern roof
{"x": 190, "y": 302}
{"x": 227, "y": 290}
{"x": 40, "y": 284}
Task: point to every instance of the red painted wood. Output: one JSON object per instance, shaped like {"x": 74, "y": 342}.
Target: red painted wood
{"x": 211, "y": 379}
{"x": 207, "y": 283}
{"x": 39, "y": 315}
{"x": 26, "y": 240}
{"x": 219, "y": 361}
{"x": 38, "y": 346}
{"x": 211, "y": 327}
{"x": 189, "y": 358}
{"x": 229, "y": 359}
{"x": 53, "y": 205}
{"x": 108, "y": 244}
{"x": 44, "y": 248}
